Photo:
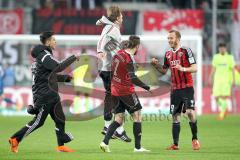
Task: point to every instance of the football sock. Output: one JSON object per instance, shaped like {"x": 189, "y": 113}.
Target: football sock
{"x": 193, "y": 126}
{"x": 137, "y": 131}
{"x": 111, "y": 129}
{"x": 175, "y": 132}
{"x": 222, "y": 103}
{"x": 120, "y": 129}
{"x": 107, "y": 123}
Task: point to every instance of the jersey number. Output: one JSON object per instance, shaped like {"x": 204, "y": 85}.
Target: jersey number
{"x": 116, "y": 61}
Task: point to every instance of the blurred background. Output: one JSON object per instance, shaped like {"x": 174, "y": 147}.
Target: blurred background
{"x": 214, "y": 21}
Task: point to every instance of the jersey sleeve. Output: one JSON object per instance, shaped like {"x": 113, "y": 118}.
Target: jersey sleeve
{"x": 231, "y": 62}
{"x": 101, "y": 44}
{"x": 115, "y": 34}
{"x": 50, "y": 63}
{"x": 165, "y": 62}
{"x": 190, "y": 56}
{"x": 63, "y": 78}
{"x": 110, "y": 40}
{"x": 134, "y": 79}
{"x": 214, "y": 61}
{"x": 47, "y": 60}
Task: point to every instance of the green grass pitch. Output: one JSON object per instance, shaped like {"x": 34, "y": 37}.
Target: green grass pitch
{"x": 219, "y": 141}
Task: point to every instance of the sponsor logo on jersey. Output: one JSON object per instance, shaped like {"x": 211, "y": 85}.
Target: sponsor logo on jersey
{"x": 174, "y": 63}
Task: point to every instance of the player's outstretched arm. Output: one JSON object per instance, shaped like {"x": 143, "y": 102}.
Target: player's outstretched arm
{"x": 64, "y": 78}
{"x": 158, "y": 66}
{"x": 135, "y": 80}
{"x": 52, "y": 64}
{"x": 65, "y": 63}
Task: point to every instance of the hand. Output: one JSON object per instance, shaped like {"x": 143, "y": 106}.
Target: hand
{"x": 180, "y": 68}
{"x": 101, "y": 55}
{"x": 78, "y": 57}
{"x": 154, "y": 61}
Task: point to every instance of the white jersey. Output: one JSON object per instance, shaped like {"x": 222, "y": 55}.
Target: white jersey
{"x": 109, "y": 42}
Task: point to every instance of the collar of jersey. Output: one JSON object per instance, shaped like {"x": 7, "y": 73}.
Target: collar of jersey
{"x": 176, "y": 49}
{"x": 132, "y": 57}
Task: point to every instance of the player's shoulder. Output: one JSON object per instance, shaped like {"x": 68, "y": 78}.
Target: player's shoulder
{"x": 111, "y": 28}
{"x": 230, "y": 55}
{"x": 167, "y": 51}
{"x": 121, "y": 53}
{"x": 185, "y": 47}
{"x": 187, "y": 50}
{"x": 123, "y": 56}
{"x": 40, "y": 50}
{"x": 107, "y": 28}
{"x": 216, "y": 56}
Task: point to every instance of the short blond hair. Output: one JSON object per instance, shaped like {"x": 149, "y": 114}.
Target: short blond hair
{"x": 113, "y": 13}
{"x": 177, "y": 33}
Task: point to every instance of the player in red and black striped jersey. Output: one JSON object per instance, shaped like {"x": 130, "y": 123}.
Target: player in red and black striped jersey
{"x": 123, "y": 93}
{"x": 181, "y": 62}
{"x": 181, "y": 56}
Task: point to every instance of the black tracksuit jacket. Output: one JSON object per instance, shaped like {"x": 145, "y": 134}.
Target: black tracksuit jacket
{"x": 45, "y": 77}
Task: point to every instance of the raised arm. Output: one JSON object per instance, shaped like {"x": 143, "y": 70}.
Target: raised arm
{"x": 52, "y": 64}
{"x": 161, "y": 68}
{"x": 63, "y": 78}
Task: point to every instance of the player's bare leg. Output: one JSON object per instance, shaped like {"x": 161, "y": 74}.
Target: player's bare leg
{"x": 175, "y": 131}
{"x": 137, "y": 131}
{"x": 193, "y": 125}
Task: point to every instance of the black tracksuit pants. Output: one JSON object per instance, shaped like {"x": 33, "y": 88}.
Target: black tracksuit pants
{"x": 53, "y": 108}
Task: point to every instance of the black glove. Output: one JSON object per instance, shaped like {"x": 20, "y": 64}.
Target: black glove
{"x": 32, "y": 110}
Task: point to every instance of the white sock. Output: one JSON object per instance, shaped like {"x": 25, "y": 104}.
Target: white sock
{"x": 120, "y": 129}
{"x": 107, "y": 123}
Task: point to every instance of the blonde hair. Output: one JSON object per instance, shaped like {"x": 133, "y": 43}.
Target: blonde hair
{"x": 177, "y": 33}
{"x": 113, "y": 13}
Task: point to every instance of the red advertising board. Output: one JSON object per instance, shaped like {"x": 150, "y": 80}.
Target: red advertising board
{"x": 11, "y": 21}
{"x": 158, "y": 21}
{"x": 73, "y": 21}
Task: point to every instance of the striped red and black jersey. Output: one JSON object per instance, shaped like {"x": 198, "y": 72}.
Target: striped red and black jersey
{"x": 184, "y": 57}
{"x": 121, "y": 83}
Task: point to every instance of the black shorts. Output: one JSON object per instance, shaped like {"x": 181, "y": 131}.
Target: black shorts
{"x": 182, "y": 99}
{"x": 106, "y": 77}
{"x": 130, "y": 103}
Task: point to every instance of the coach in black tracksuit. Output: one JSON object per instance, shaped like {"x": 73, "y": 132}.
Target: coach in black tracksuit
{"x": 45, "y": 90}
